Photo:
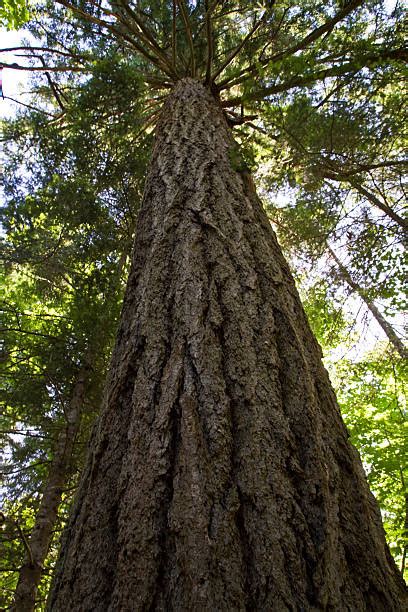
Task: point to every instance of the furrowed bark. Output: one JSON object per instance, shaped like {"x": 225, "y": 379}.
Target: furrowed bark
{"x": 40, "y": 539}
{"x": 220, "y": 475}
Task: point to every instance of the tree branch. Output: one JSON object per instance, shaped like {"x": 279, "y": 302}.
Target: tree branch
{"x": 111, "y": 28}
{"x": 235, "y": 52}
{"x": 44, "y": 50}
{"x": 210, "y": 41}
{"x": 302, "y": 44}
{"x": 318, "y": 32}
{"x": 53, "y": 88}
{"x": 377, "y": 202}
{"x": 187, "y": 27}
{"x": 15, "y": 66}
{"x": 174, "y": 35}
{"x": 37, "y": 110}
{"x": 147, "y": 37}
{"x": 320, "y": 75}
{"x": 385, "y": 326}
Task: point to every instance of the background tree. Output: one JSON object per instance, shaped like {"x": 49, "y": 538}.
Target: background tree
{"x": 65, "y": 255}
{"x": 372, "y": 396}
{"x": 255, "y": 80}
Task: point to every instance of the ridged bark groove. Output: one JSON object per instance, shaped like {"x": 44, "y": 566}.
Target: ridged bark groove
{"x": 220, "y": 450}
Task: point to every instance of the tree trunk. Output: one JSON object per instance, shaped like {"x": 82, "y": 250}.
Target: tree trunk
{"x": 383, "y": 323}
{"x": 405, "y": 537}
{"x": 38, "y": 545}
{"x": 220, "y": 475}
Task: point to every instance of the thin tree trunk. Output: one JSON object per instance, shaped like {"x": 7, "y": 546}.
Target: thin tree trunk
{"x": 371, "y": 197}
{"x": 337, "y": 175}
{"x": 220, "y": 476}
{"x": 404, "y": 551}
{"x": 385, "y": 326}
{"x": 41, "y": 535}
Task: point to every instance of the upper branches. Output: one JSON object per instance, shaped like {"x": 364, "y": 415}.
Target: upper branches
{"x": 244, "y": 53}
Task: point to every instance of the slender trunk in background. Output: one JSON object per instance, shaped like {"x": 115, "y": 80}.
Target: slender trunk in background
{"x": 220, "y": 475}
{"x": 60, "y": 468}
{"x": 404, "y": 554}
{"x": 379, "y": 204}
{"x": 385, "y": 326}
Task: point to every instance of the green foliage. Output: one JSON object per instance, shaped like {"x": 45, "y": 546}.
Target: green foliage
{"x": 372, "y": 395}
{"x": 69, "y": 221}
{"x": 13, "y": 13}
{"x": 371, "y": 391}
{"x": 326, "y": 128}
{"x": 326, "y": 315}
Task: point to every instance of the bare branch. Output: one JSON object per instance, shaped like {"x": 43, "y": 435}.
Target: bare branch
{"x": 15, "y": 66}
{"x": 210, "y": 41}
{"x": 235, "y": 52}
{"x": 37, "y": 110}
{"x": 44, "y": 50}
{"x": 302, "y": 44}
{"x": 53, "y": 87}
{"x": 174, "y": 35}
{"x": 187, "y": 27}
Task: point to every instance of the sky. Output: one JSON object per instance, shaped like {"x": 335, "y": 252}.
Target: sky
{"x": 14, "y": 81}
{"x": 16, "y": 85}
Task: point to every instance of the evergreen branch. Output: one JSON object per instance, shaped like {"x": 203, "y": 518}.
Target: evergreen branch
{"x": 302, "y": 44}
{"x": 27, "y": 433}
{"x": 22, "y": 535}
{"x": 25, "y": 468}
{"x": 155, "y": 81}
{"x": 30, "y": 333}
{"x": 372, "y": 198}
{"x": 162, "y": 64}
{"x": 382, "y": 322}
{"x": 111, "y": 28}
{"x": 237, "y": 49}
{"x": 50, "y": 35}
{"x": 329, "y": 169}
{"x": 327, "y": 27}
{"x": 320, "y": 75}
{"x": 31, "y": 314}
{"x": 367, "y": 167}
{"x": 187, "y": 28}
{"x": 148, "y": 36}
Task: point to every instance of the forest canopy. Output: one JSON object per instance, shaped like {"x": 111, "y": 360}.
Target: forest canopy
{"x": 316, "y": 96}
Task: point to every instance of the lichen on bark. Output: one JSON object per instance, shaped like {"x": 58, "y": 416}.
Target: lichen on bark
{"x": 220, "y": 475}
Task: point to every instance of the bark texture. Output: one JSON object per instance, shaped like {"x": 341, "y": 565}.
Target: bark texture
{"x": 38, "y": 545}
{"x": 220, "y": 475}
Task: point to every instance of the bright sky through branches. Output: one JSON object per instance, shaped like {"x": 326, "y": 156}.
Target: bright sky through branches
{"x": 16, "y": 86}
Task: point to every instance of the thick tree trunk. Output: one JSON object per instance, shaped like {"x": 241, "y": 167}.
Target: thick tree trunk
{"x": 45, "y": 521}
{"x": 220, "y": 476}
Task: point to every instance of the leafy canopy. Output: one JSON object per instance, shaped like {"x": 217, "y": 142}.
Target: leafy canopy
{"x": 13, "y": 13}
